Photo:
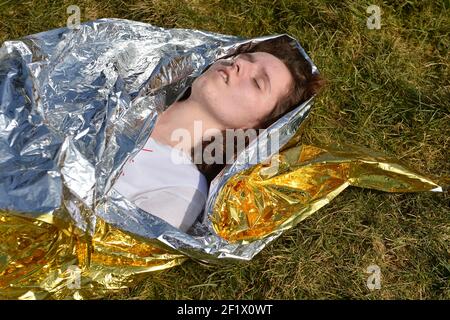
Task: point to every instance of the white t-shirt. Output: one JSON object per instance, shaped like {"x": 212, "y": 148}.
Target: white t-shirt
{"x": 164, "y": 181}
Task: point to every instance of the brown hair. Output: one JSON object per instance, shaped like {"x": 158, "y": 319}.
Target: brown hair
{"x": 305, "y": 85}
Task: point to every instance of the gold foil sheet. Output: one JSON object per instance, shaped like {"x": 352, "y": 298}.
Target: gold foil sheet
{"x": 277, "y": 195}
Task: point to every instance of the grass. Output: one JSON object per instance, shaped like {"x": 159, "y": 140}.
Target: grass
{"x": 388, "y": 90}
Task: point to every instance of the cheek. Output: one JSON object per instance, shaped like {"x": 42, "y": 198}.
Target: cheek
{"x": 263, "y": 108}
{"x": 254, "y": 104}
{"x": 245, "y": 105}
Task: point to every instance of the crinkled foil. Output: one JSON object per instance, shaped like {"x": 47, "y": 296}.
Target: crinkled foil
{"x": 269, "y": 198}
{"x": 77, "y": 104}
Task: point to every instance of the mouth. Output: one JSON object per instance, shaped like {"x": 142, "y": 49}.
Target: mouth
{"x": 224, "y": 74}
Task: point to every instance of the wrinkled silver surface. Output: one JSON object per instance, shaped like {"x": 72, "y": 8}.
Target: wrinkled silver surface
{"x": 76, "y": 104}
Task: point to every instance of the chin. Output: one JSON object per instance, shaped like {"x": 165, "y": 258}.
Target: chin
{"x": 206, "y": 91}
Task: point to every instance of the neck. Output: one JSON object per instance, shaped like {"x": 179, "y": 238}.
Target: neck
{"x": 184, "y": 125}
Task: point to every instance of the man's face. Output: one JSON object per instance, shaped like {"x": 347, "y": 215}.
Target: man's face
{"x": 242, "y": 94}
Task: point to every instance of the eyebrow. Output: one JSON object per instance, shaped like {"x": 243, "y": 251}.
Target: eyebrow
{"x": 251, "y": 58}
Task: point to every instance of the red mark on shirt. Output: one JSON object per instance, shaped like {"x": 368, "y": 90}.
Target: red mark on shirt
{"x": 148, "y": 150}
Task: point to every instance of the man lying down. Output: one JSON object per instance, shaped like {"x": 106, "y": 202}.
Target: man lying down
{"x": 249, "y": 90}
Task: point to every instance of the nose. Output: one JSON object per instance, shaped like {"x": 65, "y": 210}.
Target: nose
{"x": 237, "y": 66}
{"x": 232, "y": 68}
{"x": 242, "y": 66}
{"x": 229, "y": 63}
